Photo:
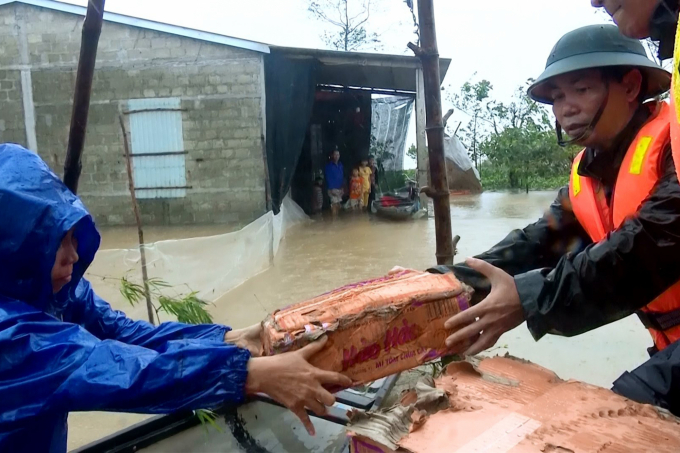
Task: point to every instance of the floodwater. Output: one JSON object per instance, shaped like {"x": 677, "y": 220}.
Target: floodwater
{"x": 321, "y": 255}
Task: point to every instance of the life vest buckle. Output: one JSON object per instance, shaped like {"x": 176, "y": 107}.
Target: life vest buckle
{"x": 660, "y": 320}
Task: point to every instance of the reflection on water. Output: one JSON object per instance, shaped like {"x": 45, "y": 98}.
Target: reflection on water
{"x": 322, "y": 255}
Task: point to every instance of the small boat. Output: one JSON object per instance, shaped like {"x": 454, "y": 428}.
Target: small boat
{"x": 257, "y": 426}
{"x": 402, "y": 204}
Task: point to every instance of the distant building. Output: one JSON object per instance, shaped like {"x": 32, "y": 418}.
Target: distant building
{"x": 220, "y": 127}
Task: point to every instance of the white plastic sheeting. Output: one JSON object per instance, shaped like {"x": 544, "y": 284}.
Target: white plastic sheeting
{"x": 389, "y": 124}
{"x": 211, "y": 265}
{"x": 456, "y": 152}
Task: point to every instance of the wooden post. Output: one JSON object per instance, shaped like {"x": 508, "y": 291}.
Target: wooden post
{"x": 439, "y": 191}
{"x": 138, "y": 220}
{"x": 423, "y": 163}
{"x": 92, "y": 28}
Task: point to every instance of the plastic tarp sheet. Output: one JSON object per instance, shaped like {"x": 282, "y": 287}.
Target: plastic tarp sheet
{"x": 210, "y": 265}
{"x": 455, "y": 151}
{"x": 290, "y": 86}
{"x": 389, "y": 124}
{"x": 462, "y": 176}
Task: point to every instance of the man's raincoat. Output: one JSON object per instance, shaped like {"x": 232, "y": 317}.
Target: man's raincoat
{"x": 70, "y": 351}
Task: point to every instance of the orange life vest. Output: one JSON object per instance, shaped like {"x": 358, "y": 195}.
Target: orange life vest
{"x": 639, "y": 173}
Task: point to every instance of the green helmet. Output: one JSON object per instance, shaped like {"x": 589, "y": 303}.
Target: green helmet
{"x": 599, "y": 46}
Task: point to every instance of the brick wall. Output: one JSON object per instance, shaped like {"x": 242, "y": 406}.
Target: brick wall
{"x": 12, "y": 127}
{"x": 221, "y": 92}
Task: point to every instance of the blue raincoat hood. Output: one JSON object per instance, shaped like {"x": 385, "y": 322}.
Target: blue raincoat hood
{"x": 37, "y": 211}
{"x": 73, "y": 352}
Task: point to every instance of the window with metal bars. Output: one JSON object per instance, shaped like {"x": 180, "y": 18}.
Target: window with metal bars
{"x": 157, "y": 148}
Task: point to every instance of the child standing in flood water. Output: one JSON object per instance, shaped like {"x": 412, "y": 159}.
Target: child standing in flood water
{"x": 365, "y": 172}
{"x": 317, "y": 196}
{"x": 356, "y": 190}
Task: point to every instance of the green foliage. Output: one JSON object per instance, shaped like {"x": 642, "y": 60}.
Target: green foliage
{"x": 412, "y": 152}
{"x": 474, "y": 99}
{"x": 134, "y": 293}
{"x": 515, "y": 146}
{"x": 188, "y": 309}
{"x": 394, "y": 179}
{"x": 207, "y": 418}
{"x": 389, "y": 179}
{"x": 348, "y": 20}
{"x": 496, "y": 179}
{"x": 383, "y": 153}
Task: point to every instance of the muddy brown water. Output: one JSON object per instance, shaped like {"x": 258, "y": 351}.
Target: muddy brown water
{"x": 321, "y": 255}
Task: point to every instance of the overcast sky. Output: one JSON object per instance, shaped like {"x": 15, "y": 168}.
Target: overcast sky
{"x": 504, "y": 41}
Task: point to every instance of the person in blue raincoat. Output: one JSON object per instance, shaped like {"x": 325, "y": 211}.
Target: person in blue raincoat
{"x": 62, "y": 348}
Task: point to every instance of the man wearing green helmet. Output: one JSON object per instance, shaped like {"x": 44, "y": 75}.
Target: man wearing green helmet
{"x": 609, "y": 244}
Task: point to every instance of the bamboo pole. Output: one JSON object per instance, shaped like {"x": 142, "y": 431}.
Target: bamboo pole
{"x": 423, "y": 173}
{"x": 138, "y": 220}
{"x": 439, "y": 192}
{"x": 92, "y": 28}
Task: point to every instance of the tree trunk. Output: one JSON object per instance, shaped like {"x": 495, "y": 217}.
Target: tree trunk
{"x": 474, "y": 142}
{"x": 347, "y": 29}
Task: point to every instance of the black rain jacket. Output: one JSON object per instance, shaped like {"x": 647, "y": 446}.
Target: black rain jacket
{"x": 569, "y": 285}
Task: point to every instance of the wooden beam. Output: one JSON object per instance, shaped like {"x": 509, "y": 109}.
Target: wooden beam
{"x": 423, "y": 164}
{"x": 92, "y": 28}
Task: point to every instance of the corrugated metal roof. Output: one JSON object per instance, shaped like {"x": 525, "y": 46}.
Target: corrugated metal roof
{"x": 367, "y": 70}
{"x": 148, "y": 24}
{"x": 349, "y": 69}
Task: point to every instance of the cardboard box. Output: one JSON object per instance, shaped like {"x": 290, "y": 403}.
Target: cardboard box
{"x": 375, "y": 328}
{"x": 512, "y": 406}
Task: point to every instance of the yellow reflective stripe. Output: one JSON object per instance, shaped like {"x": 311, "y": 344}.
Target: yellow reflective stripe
{"x": 575, "y": 178}
{"x": 675, "y": 85}
{"x": 639, "y": 157}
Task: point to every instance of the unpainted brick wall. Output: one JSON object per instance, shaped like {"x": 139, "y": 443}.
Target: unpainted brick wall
{"x": 221, "y": 92}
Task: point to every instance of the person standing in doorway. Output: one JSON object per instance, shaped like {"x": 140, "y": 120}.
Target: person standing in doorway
{"x": 317, "y": 196}
{"x": 374, "y": 180}
{"x": 335, "y": 181}
{"x": 366, "y": 176}
{"x": 356, "y": 190}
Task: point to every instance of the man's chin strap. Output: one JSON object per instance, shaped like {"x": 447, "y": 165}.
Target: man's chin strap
{"x": 589, "y": 129}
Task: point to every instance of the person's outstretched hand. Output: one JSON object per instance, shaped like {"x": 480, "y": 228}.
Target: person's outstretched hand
{"x": 292, "y": 381}
{"x": 247, "y": 338}
{"x": 479, "y": 327}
